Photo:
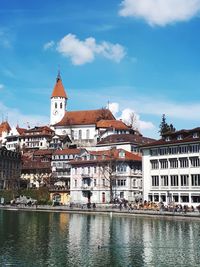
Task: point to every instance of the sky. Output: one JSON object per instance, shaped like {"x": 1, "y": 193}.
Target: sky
{"x": 139, "y": 56}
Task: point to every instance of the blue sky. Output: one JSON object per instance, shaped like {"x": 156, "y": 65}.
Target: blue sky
{"x": 141, "y": 56}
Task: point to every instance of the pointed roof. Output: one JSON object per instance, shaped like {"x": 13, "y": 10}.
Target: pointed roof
{"x": 59, "y": 90}
{"x": 4, "y": 127}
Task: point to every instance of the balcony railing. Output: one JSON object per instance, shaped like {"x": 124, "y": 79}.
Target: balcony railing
{"x": 86, "y": 187}
{"x": 59, "y": 189}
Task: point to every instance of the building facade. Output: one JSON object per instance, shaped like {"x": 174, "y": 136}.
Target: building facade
{"x": 105, "y": 176}
{"x": 10, "y": 169}
{"x": 171, "y": 168}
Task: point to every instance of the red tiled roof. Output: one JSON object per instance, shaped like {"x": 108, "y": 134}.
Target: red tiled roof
{"x": 20, "y": 130}
{"x": 125, "y": 138}
{"x": 43, "y": 152}
{"x": 116, "y": 124}
{"x": 85, "y": 117}
{"x": 108, "y": 155}
{"x": 68, "y": 151}
{"x": 4, "y": 127}
{"x": 59, "y": 90}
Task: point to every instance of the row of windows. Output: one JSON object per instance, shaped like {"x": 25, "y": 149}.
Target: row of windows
{"x": 63, "y": 157}
{"x": 79, "y": 134}
{"x": 56, "y": 105}
{"x": 175, "y": 150}
{"x": 118, "y": 182}
{"x": 174, "y": 198}
{"x": 175, "y": 180}
{"x": 121, "y": 168}
{"x": 175, "y": 163}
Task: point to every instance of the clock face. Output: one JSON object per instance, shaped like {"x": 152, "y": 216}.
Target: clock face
{"x": 55, "y": 112}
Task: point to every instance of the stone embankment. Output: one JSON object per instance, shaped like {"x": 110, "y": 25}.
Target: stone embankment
{"x": 106, "y": 211}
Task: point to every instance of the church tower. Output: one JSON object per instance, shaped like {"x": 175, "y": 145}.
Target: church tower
{"x": 58, "y": 101}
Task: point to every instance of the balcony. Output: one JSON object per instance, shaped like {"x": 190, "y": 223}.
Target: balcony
{"x": 59, "y": 189}
{"x": 86, "y": 187}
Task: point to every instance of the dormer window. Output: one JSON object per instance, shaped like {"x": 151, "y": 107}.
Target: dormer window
{"x": 122, "y": 154}
{"x": 195, "y": 135}
{"x": 179, "y": 137}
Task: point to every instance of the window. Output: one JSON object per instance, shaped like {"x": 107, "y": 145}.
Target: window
{"x": 163, "y": 197}
{"x": 154, "y": 164}
{"x": 163, "y": 164}
{"x": 179, "y": 137}
{"x": 184, "y": 163}
{"x": 164, "y": 180}
{"x": 173, "y": 163}
{"x": 174, "y": 180}
{"x": 95, "y": 182}
{"x": 163, "y": 151}
{"x": 196, "y": 199}
{"x": 121, "y": 168}
{"x": 75, "y": 170}
{"x": 72, "y": 134}
{"x": 194, "y": 148}
{"x": 156, "y": 197}
{"x": 134, "y": 183}
{"x": 184, "y": 180}
{"x": 173, "y": 150}
{"x": 154, "y": 152}
{"x": 194, "y": 162}
{"x": 167, "y": 138}
{"x": 75, "y": 183}
{"x": 80, "y": 134}
{"x": 185, "y": 198}
{"x": 176, "y": 198}
{"x": 195, "y": 179}
{"x": 195, "y": 135}
{"x": 61, "y": 105}
{"x": 103, "y": 182}
{"x": 56, "y": 105}
{"x": 155, "y": 180}
{"x": 183, "y": 149}
{"x": 121, "y": 182}
{"x": 87, "y": 134}
{"x": 95, "y": 169}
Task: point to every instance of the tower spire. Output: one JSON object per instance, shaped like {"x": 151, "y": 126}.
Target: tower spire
{"x": 58, "y": 76}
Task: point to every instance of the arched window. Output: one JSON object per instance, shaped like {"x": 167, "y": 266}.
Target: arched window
{"x": 60, "y": 105}
{"x": 56, "y": 105}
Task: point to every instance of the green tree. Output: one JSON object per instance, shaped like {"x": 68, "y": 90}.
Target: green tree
{"x": 165, "y": 127}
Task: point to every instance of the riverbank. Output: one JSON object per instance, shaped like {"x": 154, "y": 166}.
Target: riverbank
{"x": 106, "y": 211}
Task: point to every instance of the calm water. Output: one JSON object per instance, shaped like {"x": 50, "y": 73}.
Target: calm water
{"x": 59, "y": 239}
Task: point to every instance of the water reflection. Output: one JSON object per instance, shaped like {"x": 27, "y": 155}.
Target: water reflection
{"x": 61, "y": 239}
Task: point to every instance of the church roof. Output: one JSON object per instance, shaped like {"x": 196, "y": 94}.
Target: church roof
{"x": 59, "y": 90}
{"x": 85, "y": 117}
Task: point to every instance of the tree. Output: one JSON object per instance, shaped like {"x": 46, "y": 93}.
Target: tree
{"x": 108, "y": 170}
{"x": 165, "y": 127}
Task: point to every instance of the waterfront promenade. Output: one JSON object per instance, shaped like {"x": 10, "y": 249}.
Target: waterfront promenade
{"x": 107, "y": 210}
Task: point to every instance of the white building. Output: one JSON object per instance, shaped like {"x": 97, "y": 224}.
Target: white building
{"x": 94, "y": 171}
{"x": 80, "y": 126}
{"x": 171, "y": 168}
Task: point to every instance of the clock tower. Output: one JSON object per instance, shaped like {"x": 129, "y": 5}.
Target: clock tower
{"x": 58, "y": 101}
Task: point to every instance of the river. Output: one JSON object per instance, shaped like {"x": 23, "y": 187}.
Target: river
{"x": 60, "y": 239}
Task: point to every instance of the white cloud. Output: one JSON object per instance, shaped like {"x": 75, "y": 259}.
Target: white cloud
{"x": 48, "y": 45}
{"x": 129, "y": 116}
{"x": 81, "y": 52}
{"x": 160, "y": 12}
{"x": 114, "y": 108}
{"x": 15, "y": 117}
{"x": 1, "y": 87}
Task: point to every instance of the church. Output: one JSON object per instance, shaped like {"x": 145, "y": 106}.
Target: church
{"x": 81, "y": 126}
